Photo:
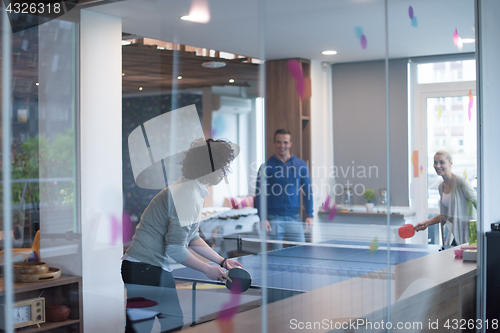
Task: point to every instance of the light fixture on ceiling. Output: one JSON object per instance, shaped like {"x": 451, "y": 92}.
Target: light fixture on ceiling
{"x": 199, "y": 12}
{"x": 329, "y": 52}
{"x": 196, "y": 17}
{"x": 213, "y": 64}
{"x": 140, "y": 88}
{"x": 468, "y": 40}
{"x": 37, "y": 84}
{"x": 179, "y": 77}
{"x": 126, "y": 42}
{"x": 231, "y": 80}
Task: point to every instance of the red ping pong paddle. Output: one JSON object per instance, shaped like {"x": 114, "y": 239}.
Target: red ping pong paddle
{"x": 406, "y": 231}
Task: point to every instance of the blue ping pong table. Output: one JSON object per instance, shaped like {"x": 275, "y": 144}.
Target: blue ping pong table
{"x": 303, "y": 268}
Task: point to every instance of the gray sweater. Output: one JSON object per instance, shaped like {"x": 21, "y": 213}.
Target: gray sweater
{"x": 160, "y": 235}
{"x": 462, "y": 208}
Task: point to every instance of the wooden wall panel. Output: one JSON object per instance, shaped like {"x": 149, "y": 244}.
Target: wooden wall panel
{"x": 284, "y": 109}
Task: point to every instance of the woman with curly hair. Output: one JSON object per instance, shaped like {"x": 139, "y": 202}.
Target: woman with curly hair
{"x": 169, "y": 225}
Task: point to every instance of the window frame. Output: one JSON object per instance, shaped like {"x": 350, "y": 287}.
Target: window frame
{"x": 417, "y": 132}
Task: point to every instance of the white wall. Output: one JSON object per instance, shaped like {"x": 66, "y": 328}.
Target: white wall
{"x": 322, "y": 133}
{"x": 101, "y": 171}
{"x": 360, "y": 128}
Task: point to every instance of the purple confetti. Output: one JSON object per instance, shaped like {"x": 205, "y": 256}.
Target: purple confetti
{"x": 333, "y": 213}
{"x": 410, "y": 12}
{"x": 363, "y": 42}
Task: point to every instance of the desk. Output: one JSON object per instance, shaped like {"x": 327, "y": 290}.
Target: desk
{"x": 304, "y": 268}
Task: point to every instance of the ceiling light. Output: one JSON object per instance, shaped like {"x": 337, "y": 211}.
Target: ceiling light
{"x": 197, "y": 17}
{"x": 213, "y": 64}
{"x": 179, "y": 77}
{"x": 140, "y": 88}
{"x": 468, "y": 40}
{"x": 198, "y": 12}
{"x": 126, "y": 42}
{"x": 37, "y": 84}
{"x": 231, "y": 80}
{"x": 329, "y": 52}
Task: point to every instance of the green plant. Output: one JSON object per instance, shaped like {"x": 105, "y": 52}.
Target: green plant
{"x": 41, "y": 158}
{"x": 369, "y": 194}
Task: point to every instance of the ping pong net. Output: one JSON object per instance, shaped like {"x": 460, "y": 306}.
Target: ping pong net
{"x": 342, "y": 245}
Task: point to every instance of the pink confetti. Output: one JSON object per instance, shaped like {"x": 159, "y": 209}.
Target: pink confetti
{"x": 455, "y": 37}
{"x": 115, "y": 229}
{"x": 230, "y": 309}
{"x": 295, "y": 69}
{"x": 471, "y": 103}
{"x": 363, "y": 42}
{"x": 326, "y": 205}
{"x": 333, "y": 213}
{"x": 410, "y": 12}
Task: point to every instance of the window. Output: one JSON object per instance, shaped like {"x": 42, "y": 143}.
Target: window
{"x": 442, "y": 121}
{"x": 453, "y": 71}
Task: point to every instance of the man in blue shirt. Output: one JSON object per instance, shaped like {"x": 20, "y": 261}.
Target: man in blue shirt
{"x": 286, "y": 176}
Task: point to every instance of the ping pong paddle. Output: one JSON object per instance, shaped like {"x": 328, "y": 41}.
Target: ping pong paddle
{"x": 242, "y": 276}
{"x": 406, "y": 231}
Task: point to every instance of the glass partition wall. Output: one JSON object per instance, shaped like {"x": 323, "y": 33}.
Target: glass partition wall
{"x": 41, "y": 233}
{"x": 321, "y": 179}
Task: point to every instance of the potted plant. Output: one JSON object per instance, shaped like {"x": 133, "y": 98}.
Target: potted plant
{"x": 369, "y": 195}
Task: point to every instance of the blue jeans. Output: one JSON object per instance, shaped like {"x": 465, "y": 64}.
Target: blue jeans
{"x": 282, "y": 226}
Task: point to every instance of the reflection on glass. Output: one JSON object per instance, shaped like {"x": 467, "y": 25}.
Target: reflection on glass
{"x": 46, "y": 244}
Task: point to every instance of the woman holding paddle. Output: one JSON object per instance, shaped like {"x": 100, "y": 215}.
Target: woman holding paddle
{"x": 457, "y": 205}
{"x": 168, "y": 227}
